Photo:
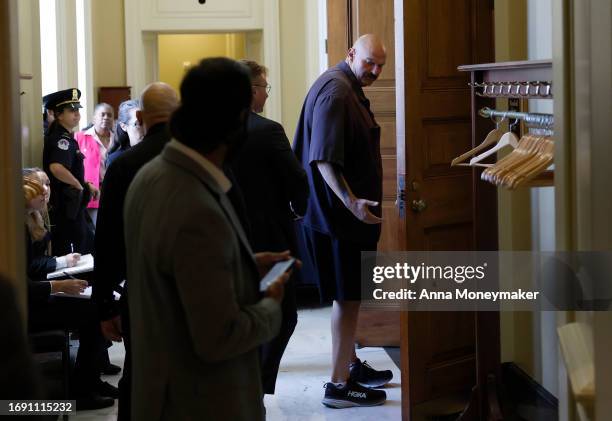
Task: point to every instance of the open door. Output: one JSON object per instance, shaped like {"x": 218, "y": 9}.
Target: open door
{"x": 425, "y": 118}
{"x": 347, "y": 21}
{"x": 434, "y": 125}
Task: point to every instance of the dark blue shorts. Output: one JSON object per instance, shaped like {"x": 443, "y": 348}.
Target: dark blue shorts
{"x": 334, "y": 264}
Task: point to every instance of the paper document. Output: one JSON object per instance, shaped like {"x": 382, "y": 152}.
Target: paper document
{"x": 85, "y": 264}
{"x": 85, "y": 294}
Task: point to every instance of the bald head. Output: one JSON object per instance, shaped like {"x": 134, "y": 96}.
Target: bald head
{"x": 366, "y": 58}
{"x": 157, "y": 101}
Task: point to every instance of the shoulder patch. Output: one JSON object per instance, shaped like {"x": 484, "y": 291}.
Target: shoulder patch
{"x": 63, "y": 144}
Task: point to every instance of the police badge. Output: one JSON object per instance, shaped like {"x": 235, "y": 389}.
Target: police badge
{"x": 63, "y": 144}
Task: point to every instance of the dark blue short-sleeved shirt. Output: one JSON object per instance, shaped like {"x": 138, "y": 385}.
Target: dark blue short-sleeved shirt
{"x": 337, "y": 126}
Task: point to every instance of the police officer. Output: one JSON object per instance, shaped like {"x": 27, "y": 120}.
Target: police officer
{"x": 63, "y": 163}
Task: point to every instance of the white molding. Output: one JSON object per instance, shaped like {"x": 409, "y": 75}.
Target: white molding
{"x": 196, "y": 18}
{"x": 66, "y": 44}
{"x": 89, "y": 64}
{"x": 134, "y": 51}
{"x": 314, "y": 39}
{"x": 151, "y": 62}
{"x": 171, "y": 9}
{"x": 272, "y": 57}
{"x": 322, "y": 9}
{"x": 141, "y": 57}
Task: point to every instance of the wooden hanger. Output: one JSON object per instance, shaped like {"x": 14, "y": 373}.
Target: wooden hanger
{"x": 507, "y": 139}
{"x": 522, "y": 166}
{"x": 525, "y": 148}
{"x": 491, "y": 138}
{"x": 532, "y": 156}
{"x": 542, "y": 160}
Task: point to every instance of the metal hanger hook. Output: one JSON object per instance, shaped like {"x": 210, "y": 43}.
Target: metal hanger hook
{"x": 496, "y": 121}
{"x": 516, "y": 120}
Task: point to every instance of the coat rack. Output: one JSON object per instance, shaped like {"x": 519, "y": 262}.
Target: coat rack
{"x": 515, "y": 81}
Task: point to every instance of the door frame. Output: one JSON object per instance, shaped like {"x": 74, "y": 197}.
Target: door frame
{"x": 12, "y": 247}
{"x": 141, "y": 68}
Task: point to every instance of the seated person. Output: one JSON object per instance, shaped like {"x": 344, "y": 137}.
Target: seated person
{"x": 47, "y": 311}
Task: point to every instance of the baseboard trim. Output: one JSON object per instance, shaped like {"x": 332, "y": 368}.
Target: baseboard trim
{"x": 516, "y": 381}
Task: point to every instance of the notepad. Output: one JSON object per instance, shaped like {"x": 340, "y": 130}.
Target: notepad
{"x": 85, "y": 264}
{"x": 85, "y": 294}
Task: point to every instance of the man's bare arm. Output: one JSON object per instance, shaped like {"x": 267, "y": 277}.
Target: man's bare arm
{"x": 336, "y": 181}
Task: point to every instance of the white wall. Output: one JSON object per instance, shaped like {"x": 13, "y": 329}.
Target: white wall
{"x": 539, "y": 46}
{"x": 302, "y": 30}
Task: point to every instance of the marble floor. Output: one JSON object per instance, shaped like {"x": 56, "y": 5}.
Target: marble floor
{"x": 304, "y": 371}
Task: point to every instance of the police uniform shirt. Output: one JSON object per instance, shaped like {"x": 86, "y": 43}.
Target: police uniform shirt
{"x": 337, "y": 126}
{"x": 61, "y": 148}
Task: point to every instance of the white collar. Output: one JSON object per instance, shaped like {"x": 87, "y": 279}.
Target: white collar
{"x": 205, "y": 163}
{"x": 92, "y": 132}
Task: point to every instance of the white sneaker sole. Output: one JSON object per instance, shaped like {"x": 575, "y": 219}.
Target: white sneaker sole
{"x": 373, "y": 386}
{"x": 339, "y": 403}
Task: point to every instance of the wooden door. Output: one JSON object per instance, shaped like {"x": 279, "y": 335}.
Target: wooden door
{"x": 434, "y": 37}
{"x": 347, "y": 21}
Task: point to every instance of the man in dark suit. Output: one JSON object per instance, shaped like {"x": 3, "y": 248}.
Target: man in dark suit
{"x": 158, "y": 101}
{"x": 273, "y": 182}
{"x": 197, "y": 315}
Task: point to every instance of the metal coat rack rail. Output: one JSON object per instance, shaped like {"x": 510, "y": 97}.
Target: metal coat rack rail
{"x": 533, "y": 120}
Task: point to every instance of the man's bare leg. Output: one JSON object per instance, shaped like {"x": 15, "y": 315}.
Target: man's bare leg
{"x": 343, "y": 327}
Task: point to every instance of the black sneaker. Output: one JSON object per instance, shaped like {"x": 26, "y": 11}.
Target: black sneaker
{"x": 111, "y": 370}
{"x": 92, "y": 400}
{"x": 106, "y": 389}
{"x": 363, "y": 374}
{"x": 351, "y": 394}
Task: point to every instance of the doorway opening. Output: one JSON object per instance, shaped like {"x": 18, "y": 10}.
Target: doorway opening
{"x": 176, "y": 53}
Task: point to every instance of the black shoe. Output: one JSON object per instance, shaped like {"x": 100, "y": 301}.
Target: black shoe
{"x": 107, "y": 389}
{"x": 111, "y": 370}
{"x": 93, "y": 401}
{"x": 363, "y": 374}
{"x": 352, "y": 394}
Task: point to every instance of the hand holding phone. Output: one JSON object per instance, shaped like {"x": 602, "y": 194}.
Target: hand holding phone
{"x": 277, "y": 270}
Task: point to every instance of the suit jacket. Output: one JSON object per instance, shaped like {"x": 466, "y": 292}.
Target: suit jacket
{"x": 270, "y": 176}
{"x": 196, "y": 316}
{"x": 109, "y": 241}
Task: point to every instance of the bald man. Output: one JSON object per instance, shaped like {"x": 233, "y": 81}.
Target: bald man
{"x": 338, "y": 143}
{"x": 158, "y": 100}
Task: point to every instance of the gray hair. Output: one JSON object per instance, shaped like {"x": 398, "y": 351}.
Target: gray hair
{"x": 125, "y": 108}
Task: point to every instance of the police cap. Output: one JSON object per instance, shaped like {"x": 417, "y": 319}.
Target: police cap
{"x": 68, "y": 98}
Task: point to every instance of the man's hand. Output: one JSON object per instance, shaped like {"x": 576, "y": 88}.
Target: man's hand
{"x": 72, "y": 259}
{"x": 276, "y": 290}
{"x": 111, "y": 329}
{"x": 359, "y": 208}
{"x": 69, "y": 286}
{"x": 335, "y": 180}
{"x": 265, "y": 260}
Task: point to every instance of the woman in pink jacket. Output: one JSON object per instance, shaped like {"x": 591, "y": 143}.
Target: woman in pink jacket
{"x": 94, "y": 144}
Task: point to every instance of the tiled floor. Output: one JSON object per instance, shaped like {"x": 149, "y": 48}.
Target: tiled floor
{"x": 304, "y": 370}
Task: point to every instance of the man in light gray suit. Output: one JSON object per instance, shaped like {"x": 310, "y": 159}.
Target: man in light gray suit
{"x": 197, "y": 316}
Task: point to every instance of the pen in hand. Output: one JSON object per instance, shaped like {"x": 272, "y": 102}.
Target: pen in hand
{"x": 73, "y": 286}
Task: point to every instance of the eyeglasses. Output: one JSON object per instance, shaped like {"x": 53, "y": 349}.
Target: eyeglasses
{"x": 268, "y": 88}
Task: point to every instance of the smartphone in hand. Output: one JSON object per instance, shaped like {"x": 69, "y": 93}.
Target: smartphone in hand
{"x": 277, "y": 270}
